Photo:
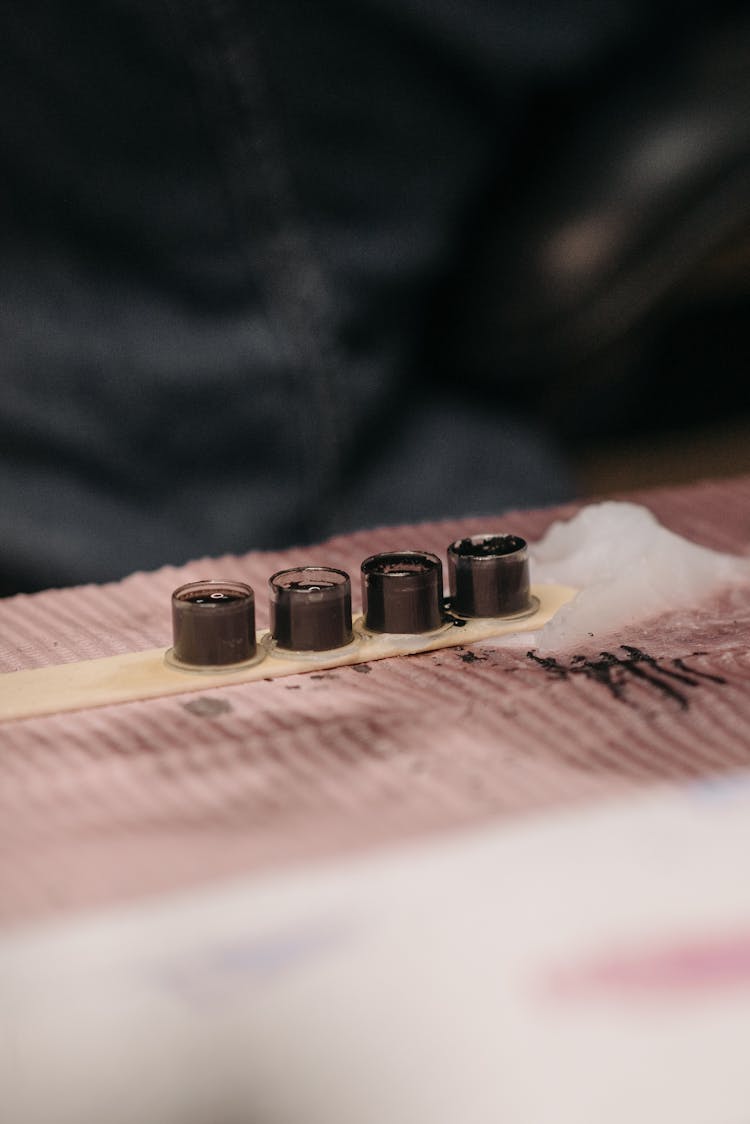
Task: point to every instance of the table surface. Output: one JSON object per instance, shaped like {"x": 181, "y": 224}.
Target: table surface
{"x": 129, "y": 801}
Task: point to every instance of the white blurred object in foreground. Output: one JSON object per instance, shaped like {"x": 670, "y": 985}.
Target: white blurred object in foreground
{"x": 588, "y": 966}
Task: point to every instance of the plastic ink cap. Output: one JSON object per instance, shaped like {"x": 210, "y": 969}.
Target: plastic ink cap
{"x": 488, "y": 576}
{"x": 402, "y": 592}
{"x": 213, "y": 623}
{"x": 311, "y": 608}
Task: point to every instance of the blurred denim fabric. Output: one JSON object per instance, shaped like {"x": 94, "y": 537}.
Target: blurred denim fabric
{"x": 234, "y": 270}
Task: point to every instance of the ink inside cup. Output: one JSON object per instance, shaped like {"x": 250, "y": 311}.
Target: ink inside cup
{"x": 488, "y": 576}
{"x": 311, "y": 609}
{"x": 213, "y": 623}
{"x": 402, "y": 592}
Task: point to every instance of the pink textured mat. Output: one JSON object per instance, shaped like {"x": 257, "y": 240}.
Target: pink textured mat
{"x": 109, "y": 804}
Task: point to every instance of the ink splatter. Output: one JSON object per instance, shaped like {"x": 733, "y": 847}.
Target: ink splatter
{"x": 205, "y": 707}
{"x": 361, "y": 668}
{"x": 470, "y": 657}
{"x": 670, "y": 678}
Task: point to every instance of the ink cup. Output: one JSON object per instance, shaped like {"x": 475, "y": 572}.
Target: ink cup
{"x": 488, "y": 576}
{"x": 402, "y": 592}
{"x": 311, "y": 609}
{"x": 213, "y": 624}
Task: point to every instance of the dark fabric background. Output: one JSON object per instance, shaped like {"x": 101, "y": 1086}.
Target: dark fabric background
{"x": 234, "y": 264}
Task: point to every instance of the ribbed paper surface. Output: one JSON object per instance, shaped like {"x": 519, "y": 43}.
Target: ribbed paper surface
{"x": 112, "y": 804}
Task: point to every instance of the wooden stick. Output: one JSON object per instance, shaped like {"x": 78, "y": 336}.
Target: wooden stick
{"x": 148, "y": 675}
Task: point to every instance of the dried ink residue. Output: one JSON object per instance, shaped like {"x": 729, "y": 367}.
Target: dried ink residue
{"x": 361, "y": 668}
{"x": 205, "y": 707}
{"x": 670, "y": 678}
{"x": 468, "y": 656}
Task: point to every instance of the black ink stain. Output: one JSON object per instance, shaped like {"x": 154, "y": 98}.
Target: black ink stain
{"x": 205, "y": 707}
{"x": 325, "y": 675}
{"x": 615, "y": 673}
{"x": 293, "y": 686}
{"x": 471, "y": 657}
{"x": 457, "y": 622}
{"x": 698, "y": 674}
{"x": 362, "y": 668}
